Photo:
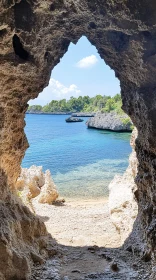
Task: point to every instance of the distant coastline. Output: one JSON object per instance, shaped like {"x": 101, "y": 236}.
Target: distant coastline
{"x": 78, "y": 114}
{"x": 105, "y": 112}
{"x": 80, "y": 107}
{"x": 48, "y": 113}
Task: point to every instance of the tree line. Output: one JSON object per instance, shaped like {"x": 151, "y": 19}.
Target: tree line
{"x": 98, "y": 103}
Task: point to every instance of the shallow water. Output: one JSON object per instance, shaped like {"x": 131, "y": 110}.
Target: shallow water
{"x": 82, "y": 161}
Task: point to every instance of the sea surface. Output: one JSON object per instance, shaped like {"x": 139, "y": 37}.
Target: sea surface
{"x": 82, "y": 161}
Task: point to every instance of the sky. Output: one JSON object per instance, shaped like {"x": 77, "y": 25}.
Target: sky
{"x": 81, "y": 71}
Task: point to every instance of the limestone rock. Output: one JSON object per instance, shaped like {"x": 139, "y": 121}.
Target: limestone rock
{"x": 48, "y": 192}
{"x": 110, "y": 121}
{"x": 34, "y": 183}
{"x": 31, "y": 179}
{"x": 122, "y": 203}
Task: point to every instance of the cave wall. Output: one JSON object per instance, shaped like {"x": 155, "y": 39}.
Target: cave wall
{"x": 34, "y": 35}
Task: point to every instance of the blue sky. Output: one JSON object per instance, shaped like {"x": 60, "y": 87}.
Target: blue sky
{"x": 80, "y": 72}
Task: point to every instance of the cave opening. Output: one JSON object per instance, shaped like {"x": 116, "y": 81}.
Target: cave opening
{"x": 81, "y": 82}
{"x": 81, "y": 169}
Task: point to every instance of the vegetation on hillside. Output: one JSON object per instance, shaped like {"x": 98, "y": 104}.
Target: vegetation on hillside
{"x": 98, "y": 103}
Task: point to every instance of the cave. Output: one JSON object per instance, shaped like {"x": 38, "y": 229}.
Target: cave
{"x": 124, "y": 35}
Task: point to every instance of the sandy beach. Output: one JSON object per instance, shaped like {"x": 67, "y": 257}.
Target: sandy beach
{"x": 79, "y": 222}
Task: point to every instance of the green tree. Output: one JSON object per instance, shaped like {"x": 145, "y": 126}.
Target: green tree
{"x": 85, "y": 104}
{"x": 117, "y": 97}
{"x": 35, "y": 108}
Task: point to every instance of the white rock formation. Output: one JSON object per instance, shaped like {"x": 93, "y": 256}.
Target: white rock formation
{"x": 48, "y": 192}
{"x": 122, "y": 204}
{"x": 34, "y": 183}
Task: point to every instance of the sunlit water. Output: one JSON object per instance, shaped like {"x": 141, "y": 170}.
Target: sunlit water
{"x": 82, "y": 161}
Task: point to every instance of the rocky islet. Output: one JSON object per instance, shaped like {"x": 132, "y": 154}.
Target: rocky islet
{"x": 110, "y": 121}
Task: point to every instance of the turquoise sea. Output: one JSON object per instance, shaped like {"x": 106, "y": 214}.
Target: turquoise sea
{"x": 82, "y": 161}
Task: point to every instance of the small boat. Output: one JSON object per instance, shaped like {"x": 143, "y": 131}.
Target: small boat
{"x": 72, "y": 119}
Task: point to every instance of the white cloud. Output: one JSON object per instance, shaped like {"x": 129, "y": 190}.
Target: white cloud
{"x": 61, "y": 89}
{"x": 55, "y": 91}
{"x": 87, "y": 62}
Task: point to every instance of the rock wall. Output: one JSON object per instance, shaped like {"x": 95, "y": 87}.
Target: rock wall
{"x": 23, "y": 239}
{"x": 110, "y": 121}
{"x": 122, "y": 204}
{"x": 34, "y": 35}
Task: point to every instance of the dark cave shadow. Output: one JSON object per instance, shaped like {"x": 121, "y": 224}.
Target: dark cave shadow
{"x": 93, "y": 262}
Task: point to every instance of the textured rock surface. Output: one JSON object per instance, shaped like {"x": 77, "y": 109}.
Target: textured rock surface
{"x": 48, "y": 192}
{"x": 110, "y": 121}
{"x": 34, "y": 183}
{"x": 122, "y": 204}
{"x": 34, "y": 35}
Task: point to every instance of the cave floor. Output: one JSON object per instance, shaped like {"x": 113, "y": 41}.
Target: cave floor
{"x": 86, "y": 244}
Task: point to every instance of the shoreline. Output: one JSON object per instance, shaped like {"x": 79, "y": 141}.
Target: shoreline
{"x": 110, "y": 130}
{"x": 81, "y": 201}
{"x": 72, "y": 114}
{"x": 41, "y": 113}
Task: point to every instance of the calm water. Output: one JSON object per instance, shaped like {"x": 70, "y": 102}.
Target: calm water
{"x": 82, "y": 161}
